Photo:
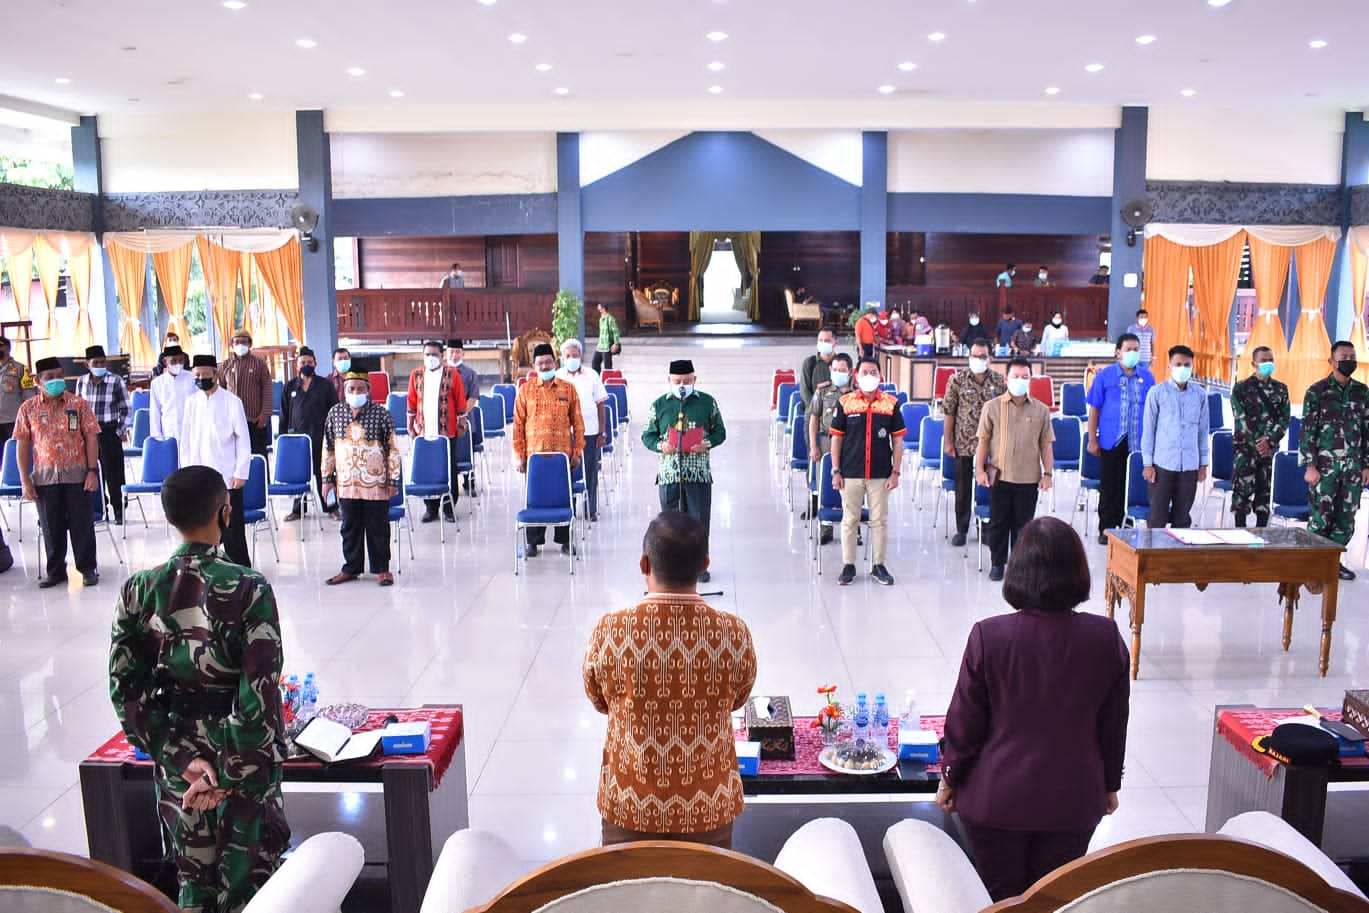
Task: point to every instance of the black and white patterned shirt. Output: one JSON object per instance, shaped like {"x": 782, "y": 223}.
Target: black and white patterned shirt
{"x": 108, "y": 398}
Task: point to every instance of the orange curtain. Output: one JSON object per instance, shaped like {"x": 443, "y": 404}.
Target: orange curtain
{"x": 49, "y": 261}
{"x": 1216, "y": 270}
{"x": 130, "y": 275}
{"x": 21, "y": 280}
{"x": 1359, "y": 261}
{"x": 283, "y": 272}
{"x": 1269, "y": 269}
{"x": 1311, "y": 347}
{"x": 78, "y": 268}
{"x": 173, "y": 277}
{"x": 220, "y": 267}
{"x": 1166, "y": 265}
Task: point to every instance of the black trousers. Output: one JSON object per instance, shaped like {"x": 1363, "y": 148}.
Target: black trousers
{"x": 964, "y": 493}
{"x": 537, "y": 535}
{"x": 259, "y": 438}
{"x": 455, "y": 481}
{"x": 1011, "y": 507}
{"x": 697, "y": 500}
{"x": 6, "y": 430}
{"x": 112, "y": 468}
{"x": 365, "y": 530}
{"x": 1009, "y": 862}
{"x": 66, "y": 512}
{"x": 235, "y": 537}
{"x": 1171, "y": 498}
{"x": 1112, "y": 485}
{"x": 603, "y": 358}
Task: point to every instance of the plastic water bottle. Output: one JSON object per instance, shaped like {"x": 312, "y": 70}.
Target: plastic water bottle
{"x": 861, "y": 719}
{"x": 309, "y": 698}
{"x": 910, "y": 720}
{"x": 292, "y": 689}
{"x": 879, "y": 722}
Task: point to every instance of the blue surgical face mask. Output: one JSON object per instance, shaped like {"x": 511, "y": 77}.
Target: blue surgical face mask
{"x": 545, "y": 376}
{"x": 1265, "y": 368}
{"x": 343, "y": 366}
{"x": 572, "y": 364}
{"x": 1131, "y": 359}
{"x": 357, "y": 400}
{"x": 1018, "y": 386}
{"x": 1180, "y": 373}
{"x": 841, "y": 378}
{"x": 55, "y": 387}
{"x": 684, "y": 390}
{"x": 98, "y": 372}
{"x": 826, "y": 348}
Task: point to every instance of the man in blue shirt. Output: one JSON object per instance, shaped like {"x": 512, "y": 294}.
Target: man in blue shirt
{"x": 1115, "y": 400}
{"x": 1007, "y": 328}
{"x": 1174, "y": 443}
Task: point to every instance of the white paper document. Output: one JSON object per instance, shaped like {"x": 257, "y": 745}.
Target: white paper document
{"x": 334, "y": 743}
{"x": 1194, "y": 536}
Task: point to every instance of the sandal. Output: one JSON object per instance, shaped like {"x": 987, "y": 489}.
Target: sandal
{"x": 387, "y": 579}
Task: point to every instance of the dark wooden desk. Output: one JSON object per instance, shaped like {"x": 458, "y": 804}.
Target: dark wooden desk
{"x": 1290, "y": 557}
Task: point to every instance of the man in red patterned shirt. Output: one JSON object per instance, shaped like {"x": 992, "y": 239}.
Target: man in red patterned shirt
{"x": 437, "y": 408}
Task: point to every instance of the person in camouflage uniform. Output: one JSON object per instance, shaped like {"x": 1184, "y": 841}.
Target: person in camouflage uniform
{"x": 1335, "y": 448}
{"x": 821, "y": 411}
{"x": 195, "y": 666}
{"x": 1260, "y": 406}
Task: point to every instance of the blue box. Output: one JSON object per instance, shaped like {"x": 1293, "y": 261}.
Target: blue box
{"x": 918, "y": 745}
{"x": 406, "y": 738}
{"x": 749, "y": 758}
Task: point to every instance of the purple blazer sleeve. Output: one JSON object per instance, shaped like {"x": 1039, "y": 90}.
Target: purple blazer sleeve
{"x": 967, "y": 719}
{"x": 1112, "y": 721}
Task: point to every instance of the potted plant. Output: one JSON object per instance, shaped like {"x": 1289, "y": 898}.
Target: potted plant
{"x": 566, "y": 313}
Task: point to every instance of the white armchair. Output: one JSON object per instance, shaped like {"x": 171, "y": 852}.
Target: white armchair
{"x": 314, "y": 878}
{"x": 1277, "y": 834}
{"x": 472, "y": 868}
{"x": 931, "y": 871}
{"x": 826, "y": 857}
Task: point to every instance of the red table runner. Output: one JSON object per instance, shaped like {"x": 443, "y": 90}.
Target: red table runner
{"x": 808, "y": 745}
{"x": 1240, "y": 727}
{"x": 446, "y": 724}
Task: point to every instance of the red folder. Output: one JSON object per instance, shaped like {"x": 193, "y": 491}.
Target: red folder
{"x": 686, "y": 442}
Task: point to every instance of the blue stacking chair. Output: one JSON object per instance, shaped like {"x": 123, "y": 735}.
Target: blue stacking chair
{"x": 398, "y": 406}
{"x": 161, "y": 457}
{"x": 981, "y": 520}
{"x": 1216, "y": 413}
{"x": 399, "y": 514}
{"x": 619, "y": 393}
{"x": 1137, "y": 492}
{"x": 430, "y": 476}
{"x": 1293, "y": 439}
{"x": 255, "y": 504}
{"x": 476, "y": 422}
{"x": 798, "y": 453}
{"x": 1067, "y": 448}
{"x": 12, "y": 483}
{"x": 1220, "y": 472}
{"x": 1072, "y": 401}
{"x": 277, "y": 392}
{"x": 508, "y": 393}
{"x": 140, "y": 431}
{"x": 465, "y": 461}
{"x": 139, "y": 399}
{"x": 1090, "y": 483}
{"x": 293, "y": 474}
{"x": 913, "y": 414}
{"x": 945, "y": 491}
{"x": 902, "y": 398}
{"x": 100, "y": 521}
{"x": 548, "y": 500}
{"x": 784, "y": 402}
{"x": 829, "y": 509}
{"x": 1290, "y": 500}
{"x": 928, "y": 450}
{"x": 888, "y": 387}
{"x": 493, "y": 425}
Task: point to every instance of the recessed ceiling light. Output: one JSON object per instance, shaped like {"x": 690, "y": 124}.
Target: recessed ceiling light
{"x": 1188, "y": 93}
{"x": 256, "y": 96}
{"x": 886, "y": 89}
{"x": 396, "y": 93}
{"x": 1094, "y": 67}
{"x": 1317, "y": 44}
{"x": 234, "y": 4}
{"x": 717, "y": 65}
{"x": 937, "y": 36}
{"x": 356, "y": 71}
{"x": 1218, "y": 2}
{"x": 562, "y": 90}
{"x": 486, "y": 2}
{"x": 907, "y": 66}
{"x": 543, "y": 67}
{"x": 716, "y": 36}
{"x": 716, "y": 90}
{"x": 306, "y": 43}
{"x": 1053, "y": 90}
{"x": 63, "y": 81}
{"x": 1145, "y": 39}
{"x": 518, "y": 38}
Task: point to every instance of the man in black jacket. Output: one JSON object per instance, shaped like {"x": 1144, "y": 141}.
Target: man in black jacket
{"x": 303, "y": 407}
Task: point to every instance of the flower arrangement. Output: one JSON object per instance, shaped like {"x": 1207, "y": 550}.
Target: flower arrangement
{"x": 829, "y": 716}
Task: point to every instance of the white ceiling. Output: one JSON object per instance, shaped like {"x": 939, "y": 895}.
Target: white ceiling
{"x": 651, "y": 56}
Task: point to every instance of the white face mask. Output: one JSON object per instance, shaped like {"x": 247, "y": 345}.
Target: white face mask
{"x": 1018, "y": 386}
{"x": 572, "y": 364}
{"x": 1181, "y": 373}
{"x": 241, "y": 350}
{"x": 433, "y": 362}
{"x": 357, "y": 400}
{"x": 840, "y": 378}
{"x": 825, "y": 348}
{"x": 175, "y": 368}
{"x": 1142, "y": 321}
{"x": 868, "y": 383}
{"x": 683, "y": 390}
{"x": 974, "y": 321}
{"x": 979, "y": 365}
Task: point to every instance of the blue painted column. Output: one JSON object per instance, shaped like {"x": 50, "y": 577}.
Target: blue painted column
{"x": 1354, "y": 170}
{"x": 1128, "y": 182}
{"x": 316, "y": 190}
{"x": 570, "y": 229}
{"x": 874, "y": 216}
{"x": 89, "y": 178}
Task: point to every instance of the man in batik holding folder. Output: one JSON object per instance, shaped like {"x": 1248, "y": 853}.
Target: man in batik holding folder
{"x": 683, "y": 426}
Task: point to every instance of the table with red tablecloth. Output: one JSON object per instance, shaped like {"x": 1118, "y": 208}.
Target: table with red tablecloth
{"x": 1240, "y": 779}
{"x": 425, "y": 799}
{"x": 807, "y": 775}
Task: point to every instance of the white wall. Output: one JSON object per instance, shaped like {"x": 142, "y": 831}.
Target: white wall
{"x": 1066, "y": 162}
{"x": 1293, "y": 147}
{"x": 229, "y": 151}
{"x": 602, "y": 152}
{"x": 442, "y": 164}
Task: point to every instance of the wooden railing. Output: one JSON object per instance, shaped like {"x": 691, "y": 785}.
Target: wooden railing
{"x": 1085, "y": 308}
{"x": 399, "y": 314}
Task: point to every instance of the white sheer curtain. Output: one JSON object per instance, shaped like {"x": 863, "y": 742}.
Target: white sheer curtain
{"x": 246, "y": 240}
{"x": 1207, "y": 235}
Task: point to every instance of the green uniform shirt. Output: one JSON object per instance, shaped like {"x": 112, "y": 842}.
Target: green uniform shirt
{"x": 824, "y": 409}
{"x": 698, "y": 410}
{"x": 608, "y": 332}
{"x": 1259, "y": 406}
{"x": 1335, "y": 426}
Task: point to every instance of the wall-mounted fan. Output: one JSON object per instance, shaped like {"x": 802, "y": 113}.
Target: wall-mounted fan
{"x": 305, "y": 220}
{"x": 1136, "y": 214}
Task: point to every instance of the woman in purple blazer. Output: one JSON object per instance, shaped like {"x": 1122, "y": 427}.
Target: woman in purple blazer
{"x": 1037, "y": 727}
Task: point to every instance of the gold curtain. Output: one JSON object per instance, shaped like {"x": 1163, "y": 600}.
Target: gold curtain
{"x": 78, "y": 268}
{"x": 130, "y": 275}
{"x": 49, "y": 262}
{"x": 1311, "y": 347}
{"x": 1359, "y": 266}
{"x": 1166, "y": 266}
{"x": 21, "y": 280}
{"x": 283, "y": 272}
{"x": 220, "y": 267}
{"x": 746, "y": 249}
{"x": 700, "y": 252}
{"x": 173, "y": 276}
{"x": 1269, "y": 269}
{"x": 1216, "y": 270}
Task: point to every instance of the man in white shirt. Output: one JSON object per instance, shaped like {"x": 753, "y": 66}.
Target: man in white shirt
{"x": 214, "y": 434}
{"x": 171, "y": 390}
{"x": 592, "y": 398}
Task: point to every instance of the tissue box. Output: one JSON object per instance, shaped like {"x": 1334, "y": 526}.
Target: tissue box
{"x": 775, "y": 734}
{"x": 406, "y": 738}
{"x": 918, "y": 745}
{"x": 749, "y": 758}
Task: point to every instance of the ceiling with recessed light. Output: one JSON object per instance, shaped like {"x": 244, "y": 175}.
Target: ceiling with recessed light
{"x": 211, "y": 55}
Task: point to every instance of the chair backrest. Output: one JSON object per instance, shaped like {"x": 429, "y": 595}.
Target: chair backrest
{"x": 549, "y": 486}
{"x": 797, "y": 405}
{"x": 798, "y": 433}
{"x": 465, "y": 448}
{"x": 781, "y": 376}
{"x": 294, "y": 460}
{"x": 161, "y": 457}
{"x": 828, "y": 496}
{"x": 981, "y": 495}
{"x": 902, "y": 397}
{"x": 1294, "y": 437}
{"x": 619, "y": 394}
{"x": 1138, "y": 491}
{"x": 277, "y": 392}
{"x": 32, "y": 873}
{"x": 509, "y": 392}
{"x": 1223, "y": 456}
{"x": 142, "y": 426}
{"x": 940, "y": 380}
{"x": 97, "y": 498}
{"x": 785, "y": 396}
{"x": 1069, "y": 438}
{"x": 429, "y": 463}
{"x": 398, "y": 406}
{"x": 929, "y": 438}
{"x": 1072, "y": 401}
{"x": 492, "y": 412}
{"x": 1289, "y": 483}
{"x": 397, "y": 499}
{"x": 380, "y": 386}
{"x": 477, "y": 427}
{"x": 1042, "y": 388}
{"x": 1090, "y": 467}
{"x": 913, "y": 414}
{"x": 9, "y": 469}
{"x": 139, "y": 399}
{"x": 889, "y": 387}
{"x": 1216, "y": 412}
{"x": 947, "y": 467}
{"x": 254, "y": 492}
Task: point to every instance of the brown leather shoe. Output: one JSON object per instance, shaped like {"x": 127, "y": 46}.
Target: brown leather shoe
{"x": 342, "y": 577}
{"x": 386, "y": 579}
{"x": 291, "y": 517}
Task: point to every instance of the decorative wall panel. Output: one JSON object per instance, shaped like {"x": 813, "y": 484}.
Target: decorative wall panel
{"x": 1359, "y": 205}
{"x": 1214, "y": 203}
{"x": 41, "y": 208}
{"x": 200, "y": 208}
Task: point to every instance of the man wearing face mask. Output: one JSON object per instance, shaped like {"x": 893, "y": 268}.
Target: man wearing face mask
{"x": 455, "y": 356}
{"x": 1115, "y": 402}
{"x": 592, "y": 395}
{"x": 1335, "y": 448}
{"x": 966, "y": 393}
{"x": 358, "y": 441}
{"x": 171, "y": 390}
{"x": 1008, "y": 327}
{"x": 1043, "y": 278}
{"x": 16, "y": 386}
{"x": 215, "y": 434}
{"x": 1014, "y": 460}
{"x": 815, "y": 372}
{"x": 172, "y": 340}
{"x": 547, "y": 419}
{"x": 437, "y": 408}
{"x": 342, "y": 366}
{"x": 865, "y": 334}
{"x": 821, "y": 410}
{"x": 1174, "y": 443}
{"x": 108, "y": 398}
{"x": 248, "y": 377}
{"x": 1024, "y": 341}
{"x": 684, "y": 426}
{"x": 453, "y": 279}
{"x": 867, "y": 453}
{"x": 1145, "y": 335}
{"x": 58, "y": 450}
{"x": 304, "y": 405}
{"x": 1259, "y": 406}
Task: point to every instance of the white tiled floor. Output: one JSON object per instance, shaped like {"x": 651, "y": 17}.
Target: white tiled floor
{"x": 460, "y": 627}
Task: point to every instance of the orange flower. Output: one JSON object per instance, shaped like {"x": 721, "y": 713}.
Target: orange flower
{"x": 827, "y": 689}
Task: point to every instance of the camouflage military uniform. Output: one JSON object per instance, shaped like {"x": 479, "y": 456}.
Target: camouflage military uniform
{"x": 824, "y": 408}
{"x": 1260, "y": 407}
{"x": 195, "y": 669}
{"x": 1335, "y": 439}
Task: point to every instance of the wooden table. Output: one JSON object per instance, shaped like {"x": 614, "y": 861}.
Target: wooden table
{"x": 1290, "y": 556}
